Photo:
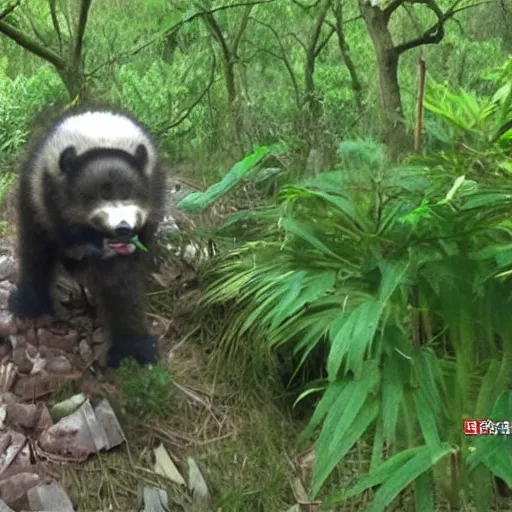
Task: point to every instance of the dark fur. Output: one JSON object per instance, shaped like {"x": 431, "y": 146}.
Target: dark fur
{"x": 117, "y": 283}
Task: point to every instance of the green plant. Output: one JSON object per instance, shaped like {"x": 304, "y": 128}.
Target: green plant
{"x": 395, "y": 271}
{"x": 145, "y": 391}
{"x": 21, "y": 98}
{"x": 472, "y": 133}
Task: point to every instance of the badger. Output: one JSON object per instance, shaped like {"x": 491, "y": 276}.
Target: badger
{"x": 90, "y": 198}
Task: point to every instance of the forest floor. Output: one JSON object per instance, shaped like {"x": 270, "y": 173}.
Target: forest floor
{"x": 243, "y": 441}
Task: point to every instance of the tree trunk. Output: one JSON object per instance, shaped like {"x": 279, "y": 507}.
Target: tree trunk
{"x": 233, "y": 105}
{"x": 74, "y": 81}
{"x": 395, "y": 134}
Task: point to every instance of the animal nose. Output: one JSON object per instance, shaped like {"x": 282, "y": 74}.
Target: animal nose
{"x": 123, "y": 230}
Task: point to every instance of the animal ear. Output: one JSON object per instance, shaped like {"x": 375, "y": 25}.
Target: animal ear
{"x": 68, "y": 160}
{"x": 141, "y": 157}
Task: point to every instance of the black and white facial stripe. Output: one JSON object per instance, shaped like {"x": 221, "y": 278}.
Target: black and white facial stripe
{"x": 112, "y": 215}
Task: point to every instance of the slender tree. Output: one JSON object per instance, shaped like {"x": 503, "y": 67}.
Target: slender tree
{"x": 64, "y": 53}
{"x": 377, "y": 15}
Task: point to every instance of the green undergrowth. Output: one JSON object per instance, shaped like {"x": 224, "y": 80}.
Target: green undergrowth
{"x": 146, "y": 392}
{"x": 385, "y": 289}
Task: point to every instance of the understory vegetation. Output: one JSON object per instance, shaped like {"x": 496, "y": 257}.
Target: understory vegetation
{"x": 358, "y": 309}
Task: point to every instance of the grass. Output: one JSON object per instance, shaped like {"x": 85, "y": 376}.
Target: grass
{"x": 244, "y": 446}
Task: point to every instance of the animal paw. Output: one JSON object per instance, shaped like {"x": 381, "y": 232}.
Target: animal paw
{"x": 142, "y": 349}
{"x": 25, "y": 302}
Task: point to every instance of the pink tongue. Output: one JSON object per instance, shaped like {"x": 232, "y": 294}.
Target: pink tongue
{"x": 120, "y": 248}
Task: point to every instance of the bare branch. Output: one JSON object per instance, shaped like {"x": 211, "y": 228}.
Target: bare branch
{"x": 337, "y": 9}
{"x": 322, "y": 45}
{"x": 171, "y": 30}
{"x": 216, "y": 31}
{"x": 298, "y": 39}
{"x": 9, "y": 10}
{"x": 82, "y": 23}
{"x": 29, "y": 17}
{"x": 186, "y": 113}
{"x": 31, "y": 45}
{"x": 55, "y": 21}
{"x": 241, "y": 30}
{"x": 282, "y": 57}
{"x": 318, "y": 28}
{"x": 433, "y": 34}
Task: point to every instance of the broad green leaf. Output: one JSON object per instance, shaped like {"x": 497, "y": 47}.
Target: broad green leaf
{"x": 379, "y": 475}
{"x": 333, "y": 391}
{"x": 408, "y": 473}
{"x": 427, "y": 419}
{"x": 393, "y": 381}
{"x": 305, "y": 233}
{"x": 353, "y": 332}
{"x": 199, "y": 201}
{"x": 344, "y": 440}
{"x": 488, "y": 392}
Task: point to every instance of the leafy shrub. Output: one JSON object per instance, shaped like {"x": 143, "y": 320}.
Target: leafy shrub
{"x": 21, "y": 98}
{"x": 402, "y": 274}
{"x": 145, "y": 391}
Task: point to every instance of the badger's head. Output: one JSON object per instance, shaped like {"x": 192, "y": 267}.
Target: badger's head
{"x": 108, "y": 190}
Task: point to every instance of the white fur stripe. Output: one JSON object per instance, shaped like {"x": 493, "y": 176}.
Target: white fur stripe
{"x": 94, "y": 130}
{"x": 112, "y": 214}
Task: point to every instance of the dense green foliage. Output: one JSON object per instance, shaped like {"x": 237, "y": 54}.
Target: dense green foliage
{"x": 379, "y": 286}
{"x": 145, "y": 393}
{"x": 402, "y": 273}
{"x": 168, "y": 66}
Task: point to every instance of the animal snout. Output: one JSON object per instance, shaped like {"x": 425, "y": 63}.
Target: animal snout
{"x": 123, "y": 230}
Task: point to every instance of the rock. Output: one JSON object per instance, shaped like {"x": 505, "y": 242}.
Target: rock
{"x": 61, "y": 339}
{"x": 82, "y": 324}
{"x": 85, "y": 351}
{"x": 13, "y": 490}
{"x": 97, "y": 337}
{"x": 4, "y": 507}
{"x": 154, "y": 500}
{"x": 108, "y": 420}
{"x": 20, "y": 464}
{"x": 59, "y": 365}
{"x": 7, "y": 376}
{"x": 11, "y": 443}
{"x": 30, "y": 336}
{"x": 21, "y": 359}
{"x": 39, "y": 364}
{"x": 74, "y": 437}
{"x": 22, "y": 415}
{"x": 6, "y": 324}
{"x": 5, "y": 290}
{"x": 8, "y": 268}
{"x": 50, "y": 353}
{"x": 8, "y": 398}
{"x": 49, "y": 497}
{"x": 44, "y": 421}
{"x": 24, "y": 324}
{"x": 33, "y": 386}
{"x": 5, "y": 349}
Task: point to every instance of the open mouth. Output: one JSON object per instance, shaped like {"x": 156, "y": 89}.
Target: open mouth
{"x": 121, "y": 247}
